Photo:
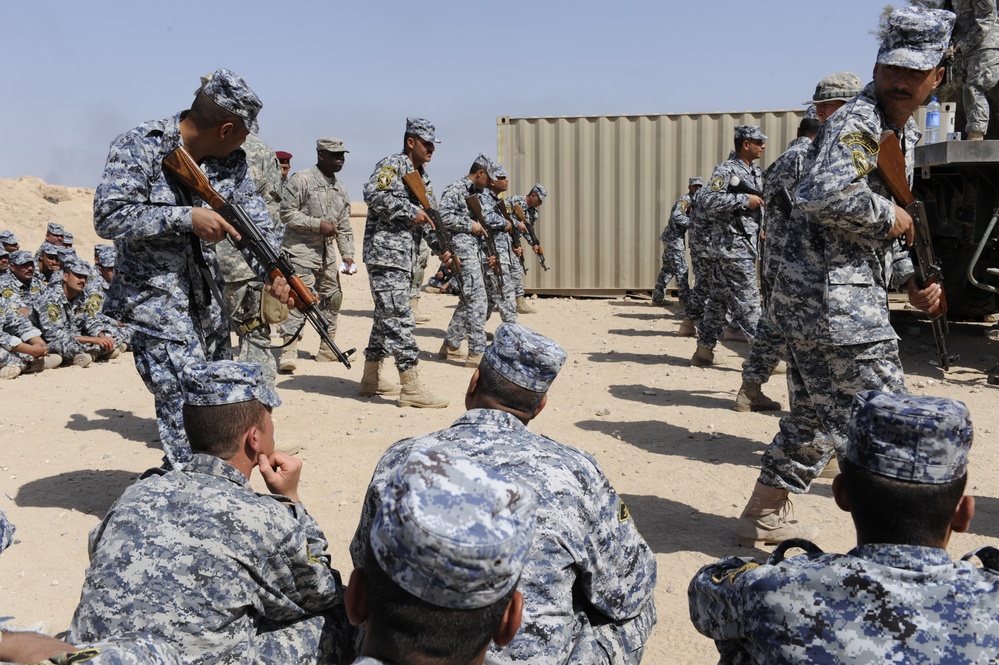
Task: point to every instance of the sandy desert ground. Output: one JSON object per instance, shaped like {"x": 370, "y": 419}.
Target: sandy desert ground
{"x": 684, "y": 461}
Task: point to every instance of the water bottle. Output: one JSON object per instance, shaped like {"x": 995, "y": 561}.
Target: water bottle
{"x": 932, "y": 133}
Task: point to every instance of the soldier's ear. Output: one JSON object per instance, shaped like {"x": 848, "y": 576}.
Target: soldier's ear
{"x": 511, "y": 620}
{"x": 356, "y": 599}
{"x": 839, "y": 493}
{"x": 962, "y": 514}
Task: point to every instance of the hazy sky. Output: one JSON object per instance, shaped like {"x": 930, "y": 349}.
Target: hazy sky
{"x": 76, "y": 74}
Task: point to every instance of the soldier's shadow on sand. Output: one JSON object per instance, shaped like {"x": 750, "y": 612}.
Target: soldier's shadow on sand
{"x": 705, "y": 399}
{"x": 638, "y": 358}
{"x": 986, "y": 519}
{"x": 124, "y": 423}
{"x": 336, "y": 386}
{"x": 665, "y": 439}
{"x": 87, "y": 491}
{"x": 671, "y": 526}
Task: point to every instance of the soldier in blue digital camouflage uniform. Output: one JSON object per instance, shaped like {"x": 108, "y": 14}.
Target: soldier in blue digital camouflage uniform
{"x": 21, "y": 285}
{"x": 315, "y": 209}
{"x": 501, "y": 289}
{"x": 196, "y": 557}
{"x": 48, "y": 264}
{"x": 735, "y": 222}
{"x": 469, "y": 318}
{"x": 529, "y": 206}
{"x": 22, "y": 348}
{"x": 392, "y": 235}
{"x": 701, "y": 262}
{"x": 162, "y": 233}
{"x": 9, "y": 241}
{"x": 447, "y": 547}
{"x": 895, "y": 598}
{"x": 781, "y": 178}
{"x": 4, "y": 261}
{"x": 589, "y": 579}
{"x": 71, "y": 321}
{"x": 976, "y": 38}
{"x": 105, "y": 257}
{"x": 831, "y": 292}
{"x": 674, "y": 239}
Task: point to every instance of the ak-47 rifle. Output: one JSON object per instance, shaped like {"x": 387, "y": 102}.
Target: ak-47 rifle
{"x": 891, "y": 169}
{"x": 515, "y": 234}
{"x": 439, "y": 237}
{"x": 532, "y": 236}
{"x": 475, "y": 207}
{"x": 183, "y": 167}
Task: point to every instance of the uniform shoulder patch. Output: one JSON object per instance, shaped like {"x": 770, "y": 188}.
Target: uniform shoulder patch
{"x": 732, "y": 574}
{"x": 623, "y": 514}
{"x": 93, "y": 304}
{"x": 717, "y": 184}
{"x": 684, "y": 206}
{"x": 53, "y": 312}
{"x": 386, "y": 175}
{"x": 863, "y": 148}
{"x": 7, "y": 292}
{"x": 83, "y": 656}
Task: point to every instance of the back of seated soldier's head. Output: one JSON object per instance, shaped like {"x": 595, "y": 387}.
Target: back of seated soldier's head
{"x": 448, "y": 545}
{"x": 906, "y": 467}
{"x": 222, "y": 400}
{"x": 519, "y": 366}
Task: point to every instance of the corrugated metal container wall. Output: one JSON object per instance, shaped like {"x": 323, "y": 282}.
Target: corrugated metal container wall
{"x": 612, "y": 181}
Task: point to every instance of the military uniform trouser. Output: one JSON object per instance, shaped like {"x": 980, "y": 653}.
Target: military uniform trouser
{"x": 469, "y": 318}
{"x": 242, "y": 300}
{"x": 161, "y": 364}
{"x": 734, "y": 290}
{"x": 701, "y": 267}
{"x": 822, "y": 381}
{"x": 21, "y": 360}
{"x": 982, "y": 76}
{"x": 419, "y": 269}
{"x": 674, "y": 265}
{"x": 501, "y": 297}
{"x": 767, "y": 349}
{"x": 393, "y": 324}
{"x": 517, "y": 272}
{"x": 324, "y": 279}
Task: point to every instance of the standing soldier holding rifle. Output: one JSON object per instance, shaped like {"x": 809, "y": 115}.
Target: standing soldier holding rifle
{"x": 831, "y": 290}
{"x": 394, "y": 228}
{"x": 525, "y": 211}
{"x": 165, "y": 270}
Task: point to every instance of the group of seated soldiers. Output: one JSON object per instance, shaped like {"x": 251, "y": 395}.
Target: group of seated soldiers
{"x": 50, "y": 305}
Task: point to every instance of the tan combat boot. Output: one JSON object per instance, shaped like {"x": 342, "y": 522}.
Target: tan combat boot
{"x": 10, "y": 372}
{"x": 414, "y": 393}
{"x": 687, "y": 329}
{"x": 325, "y": 354}
{"x": 288, "y": 362}
{"x": 523, "y": 307}
{"x": 832, "y": 468}
{"x": 82, "y": 360}
{"x": 764, "y": 520}
{"x": 703, "y": 357}
{"x": 734, "y": 335}
{"x": 372, "y": 382}
{"x": 751, "y": 398}
{"x": 52, "y": 361}
{"x": 473, "y": 360}
{"x": 418, "y": 316}
{"x": 976, "y": 136}
{"x": 449, "y": 352}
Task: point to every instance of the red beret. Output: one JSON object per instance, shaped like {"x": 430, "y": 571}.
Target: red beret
{"x": 282, "y": 155}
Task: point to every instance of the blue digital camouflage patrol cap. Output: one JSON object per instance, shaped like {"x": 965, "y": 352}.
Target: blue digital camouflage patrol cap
{"x": 524, "y": 357}
{"x": 909, "y": 437}
{"x": 916, "y": 38}
{"x": 695, "y": 182}
{"x": 422, "y": 128}
{"x": 501, "y": 173}
{"x": 8, "y": 238}
{"x": 67, "y": 239}
{"x": 228, "y": 89}
{"x": 66, "y": 253}
{"x": 76, "y": 265}
{"x": 330, "y": 144}
{"x": 105, "y": 255}
{"x": 56, "y": 229}
{"x": 3, "y": 252}
{"x": 49, "y": 248}
{"x": 21, "y": 257}
{"x": 491, "y": 167}
{"x": 749, "y": 132}
{"x": 451, "y": 532}
{"x": 227, "y": 382}
{"x": 540, "y": 191}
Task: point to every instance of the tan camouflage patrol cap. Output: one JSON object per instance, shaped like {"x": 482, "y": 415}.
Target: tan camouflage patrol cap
{"x": 331, "y": 144}
{"x": 841, "y": 86}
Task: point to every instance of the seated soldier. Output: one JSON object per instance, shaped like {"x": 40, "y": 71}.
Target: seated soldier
{"x": 105, "y": 257}
{"x": 49, "y": 264}
{"x": 196, "y": 557}
{"x": 4, "y": 261}
{"x": 897, "y": 597}
{"x": 71, "y": 322}
{"x": 20, "y": 287}
{"x": 9, "y": 241}
{"x": 439, "y": 582}
{"x": 22, "y": 349}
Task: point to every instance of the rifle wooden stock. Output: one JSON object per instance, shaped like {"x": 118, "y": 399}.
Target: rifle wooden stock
{"x": 439, "y": 236}
{"x": 891, "y": 170}
{"x": 183, "y": 167}
{"x": 532, "y": 236}
{"x": 475, "y": 207}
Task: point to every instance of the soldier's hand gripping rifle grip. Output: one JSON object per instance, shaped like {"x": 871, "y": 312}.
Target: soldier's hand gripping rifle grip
{"x": 475, "y": 207}
{"x": 891, "y": 169}
{"x": 182, "y": 166}
{"x": 515, "y": 234}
